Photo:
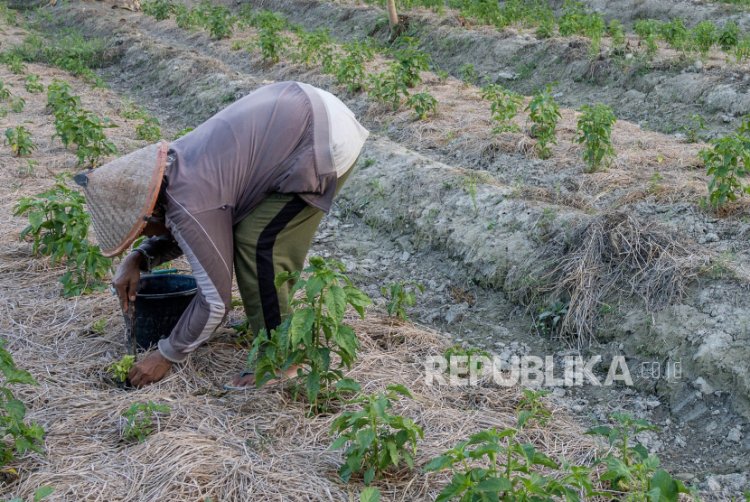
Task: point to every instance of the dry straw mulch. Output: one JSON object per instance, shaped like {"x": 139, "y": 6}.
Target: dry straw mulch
{"x": 251, "y": 445}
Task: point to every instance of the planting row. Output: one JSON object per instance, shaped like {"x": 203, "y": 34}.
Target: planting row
{"x": 576, "y": 19}
{"x": 726, "y": 160}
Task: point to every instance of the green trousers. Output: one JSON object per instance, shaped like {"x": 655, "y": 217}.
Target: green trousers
{"x": 275, "y": 237}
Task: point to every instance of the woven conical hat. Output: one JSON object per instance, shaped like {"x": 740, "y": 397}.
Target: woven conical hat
{"x": 122, "y": 194}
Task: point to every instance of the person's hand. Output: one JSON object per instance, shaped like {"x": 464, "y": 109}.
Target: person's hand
{"x": 151, "y": 369}
{"x": 126, "y": 279}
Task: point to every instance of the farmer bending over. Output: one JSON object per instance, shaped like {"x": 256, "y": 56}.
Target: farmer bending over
{"x": 247, "y": 187}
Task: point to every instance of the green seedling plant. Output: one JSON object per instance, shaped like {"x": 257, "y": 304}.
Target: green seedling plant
{"x": 648, "y": 31}
{"x": 313, "y": 333}
{"x": 630, "y": 468}
{"x": 504, "y": 106}
{"x": 572, "y": 21}
{"x": 314, "y": 47}
{"x": 17, "y": 435}
{"x": 85, "y": 131}
{"x": 139, "y": 420}
{"x": 15, "y": 64}
{"x": 33, "y": 84}
{"x": 410, "y": 62}
{"x": 616, "y": 32}
{"x": 594, "y": 28}
{"x": 729, "y": 36}
{"x": 594, "y": 128}
{"x": 219, "y": 22}
{"x": 544, "y": 112}
{"x": 271, "y": 41}
{"x": 468, "y": 73}
{"x": 531, "y": 408}
{"x": 78, "y": 127}
{"x": 187, "y": 18}
{"x": 17, "y": 104}
{"x": 727, "y": 161}
{"x": 704, "y": 35}
{"x": 549, "y": 321}
{"x": 376, "y": 440}
{"x": 493, "y": 465}
{"x": 58, "y": 226}
{"x": 369, "y": 494}
{"x": 546, "y": 27}
{"x": 350, "y": 69}
{"x": 675, "y": 33}
{"x": 5, "y": 93}
{"x": 71, "y": 51}
{"x": 119, "y": 370}
{"x": 742, "y": 50}
{"x": 424, "y": 104}
{"x": 388, "y": 88}
{"x": 19, "y": 140}
{"x": 40, "y": 494}
{"x": 60, "y": 98}
{"x": 148, "y": 130}
{"x": 399, "y": 296}
{"x": 158, "y": 9}
{"x": 183, "y": 132}
{"x": 692, "y": 131}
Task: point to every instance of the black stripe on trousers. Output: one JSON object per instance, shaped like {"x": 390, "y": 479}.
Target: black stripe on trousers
{"x": 269, "y": 297}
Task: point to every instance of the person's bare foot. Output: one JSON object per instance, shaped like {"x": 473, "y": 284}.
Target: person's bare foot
{"x": 247, "y": 381}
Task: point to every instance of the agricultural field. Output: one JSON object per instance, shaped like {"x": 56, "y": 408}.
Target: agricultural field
{"x": 543, "y": 180}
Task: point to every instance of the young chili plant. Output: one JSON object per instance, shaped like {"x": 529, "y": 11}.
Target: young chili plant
{"x": 544, "y": 113}
{"x": 148, "y": 130}
{"x": 158, "y": 9}
{"x": 410, "y": 62}
{"x": 494, "y": 465}
{"x": 704, "y": 35}
{"x": 139, "y": 420}
{"x": 388, "y": 88}
{"x": 4, "y": 91}
{"x": 594, "y": 129}
{"x": 19, "y": 140}
{"x": 59, "y": 225}
{"x": 314, "y": 47}
{"x": 33, "y": 85}
{"x": 350, "y": 70}
{"x": 271, "y": 41}
{"x": 375, "y": 439}
{"x": 727, "y": 161}
{"x": 219, "y": 22}
{"x": 120, "y": 369}
{"x": 729, "y": 36}
{"x": 23, "y": 436}
{"x": 17, "y": 104}
{"x": 423, "y": 104}
{"x": 504, "y": 106}
{"x": 84, "y": 130}
{"x": 187, "y": 18}
{"x": 313, "y": 333}
{"x": 631, "y": 469}
{"x": 399, "y": 296}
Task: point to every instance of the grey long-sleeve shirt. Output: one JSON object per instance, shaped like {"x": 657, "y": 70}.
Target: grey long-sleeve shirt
{"x": 276, "y": 139}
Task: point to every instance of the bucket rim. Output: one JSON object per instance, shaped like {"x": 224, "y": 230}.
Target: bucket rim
{"x": 176, "y": 294}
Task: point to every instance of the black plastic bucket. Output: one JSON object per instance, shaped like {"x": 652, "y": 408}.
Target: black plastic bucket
{"x": 159, "y": 304}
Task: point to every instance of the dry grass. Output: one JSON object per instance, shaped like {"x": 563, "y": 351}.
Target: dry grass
{"x": 614, "y": 254}
{"x": 255, "y": 445}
